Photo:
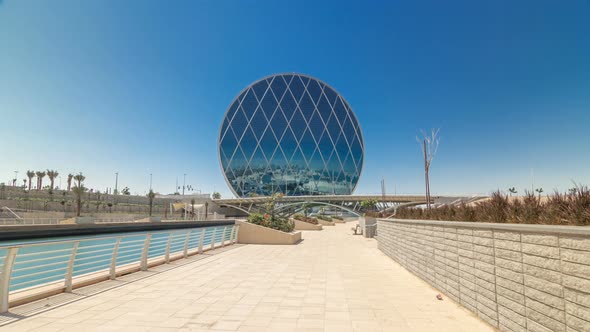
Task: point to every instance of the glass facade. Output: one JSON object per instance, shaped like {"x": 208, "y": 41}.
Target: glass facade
{"x": 291, "y": 134}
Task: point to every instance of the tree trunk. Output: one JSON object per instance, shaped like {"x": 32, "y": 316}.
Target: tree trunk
{"x": 78, "y": 207}
{"x": 151, "y": 203}
{"x": 426, "y": 180}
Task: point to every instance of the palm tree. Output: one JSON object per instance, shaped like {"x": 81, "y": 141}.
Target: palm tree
{"x": 40, "y": 176}
{"x": 30, "y": 175}
{"x": 70, "y": 176}
{"x": 512, "y": 191}
{"x": 79, "y": 178}
{"x": 151, "y": 195}
{"x": 193, "y": 207}
{"x": 539, "y": 190}
{"x": 52, "y": 174}
{"x": 78, "y": 192}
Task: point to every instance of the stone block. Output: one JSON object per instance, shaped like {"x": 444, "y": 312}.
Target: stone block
{"x": 540, "y": 250}
{"x": 544, "y": 321}
{"x": 505, "y": 313}
{"x": 508, "y": 254}
{"x": 507, "y": 244}
{"x": 533, "y": 326}
{"x": 514, "y": 296}
{"x": 543, "y": 285}
{"x": 466, "y": 283}
{"x": 575, "y": 256}
{"x": 549, "y": 300}
{"x": 549, "y": 275}
{"x": 546, "y": 263}
{"x": 482, "y": 233}
{"x": 483, "y": 241}
{"x": 482, "y": 275}
{"x": 546, "y": 240}
{"x": 464, "y": 238}
{"x": 579, "y": 243}
{"x": 484, "y": 266}
{"x": 509, "y": 264}
{"x": 577, "y": 297}
{"x": 577, "y": 324}
{"x": 484, "y": 290}
{"x": 576, "y": 283}
{"x": 511, "y": 285}
{"x": 507, "y": 235}
{"x": 509, "y": 274}
{"x": 512, "y": 305}
{"x": 484, "y": 258}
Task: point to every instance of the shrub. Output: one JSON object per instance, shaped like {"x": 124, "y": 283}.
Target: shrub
{"x": 266, "y": 220}
{"x": 303, "y": 218}
{"x": 571, "y": 208}
{"x": 326, "y": 218}
{"x": 337, "y": 217}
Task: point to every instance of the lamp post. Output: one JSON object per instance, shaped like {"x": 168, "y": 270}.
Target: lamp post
{"x": 116, "y": 182}
{"x": 150, "y": 181}
{"x": 183, "y": 183}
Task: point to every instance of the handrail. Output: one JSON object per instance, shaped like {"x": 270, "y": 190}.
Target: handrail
{"x": 64, "y": 261}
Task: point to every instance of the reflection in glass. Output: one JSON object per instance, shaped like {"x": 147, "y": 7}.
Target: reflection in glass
{"x": 291, "y": 134}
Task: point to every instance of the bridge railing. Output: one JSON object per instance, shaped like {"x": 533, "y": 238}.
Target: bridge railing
{"x": 31, "y": 269}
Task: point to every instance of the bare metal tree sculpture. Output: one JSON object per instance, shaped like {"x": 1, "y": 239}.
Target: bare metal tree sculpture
{"x": 429, "y": 145}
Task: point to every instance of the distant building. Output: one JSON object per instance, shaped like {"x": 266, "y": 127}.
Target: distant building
{"x": 292, "y": 134}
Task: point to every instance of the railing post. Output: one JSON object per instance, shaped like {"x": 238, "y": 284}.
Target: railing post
{"x": 185, "y": 250}
{"x": 203, "y": 230}
{"x": 5, "y": 278}
{"x": 144, "y": 254}
{"x": 223, "y": 235}
{"x": 167, "y": 259}
{"x": 236, "y": 235}
{"x": 113, "y": 271}
{"x": 213, "y": 238}
{"x": 70, "y": 269}
{"x": 231, "y": 234}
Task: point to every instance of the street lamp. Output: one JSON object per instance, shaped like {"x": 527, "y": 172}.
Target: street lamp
{"x": 183, "y": 183}
{"x": 116, "y": 182}
{"x": 150, "y": 181}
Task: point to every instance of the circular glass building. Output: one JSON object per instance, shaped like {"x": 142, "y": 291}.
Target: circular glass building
{"x": 290, "y": 134}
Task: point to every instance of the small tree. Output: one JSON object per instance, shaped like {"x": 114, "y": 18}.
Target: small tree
{"x": 512, "y": 191}
{"x": 369, "y": 204}
{"x": 151, "y": 195}
{"x": 539, "y": 191}
{"x": 429, "y": 146}
{"x": 70, "y": 177}
{"x": 40, "y": 176}
{"x": 30, "y": 175}
{"x": 110, "y": 205}
{"x": 216, "y": 195}
{"x": 126, "y": 191}
{"x": 79, "y": 178}
{"x": 51, "y": 174}
{"x": 79, "y": 193}
{"x": 193, "y": 207}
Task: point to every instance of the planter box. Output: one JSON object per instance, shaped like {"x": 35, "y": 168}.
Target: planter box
{"x": 150, "y": 219}
{"x": 255, "y": 234}
{"x": 326, "y": 223}
{"x": 78, "y": 221}
{"x": 305, "y": 226}
{"x": 369, "y": 226}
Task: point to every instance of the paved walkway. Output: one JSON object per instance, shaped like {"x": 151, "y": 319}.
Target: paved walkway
{"x": 332, "y": 281}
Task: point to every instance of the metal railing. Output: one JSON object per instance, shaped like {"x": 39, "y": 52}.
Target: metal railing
{"x": 59, "y": 264}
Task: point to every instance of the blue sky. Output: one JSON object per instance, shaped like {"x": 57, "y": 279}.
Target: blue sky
{"x": 141, "y": 87}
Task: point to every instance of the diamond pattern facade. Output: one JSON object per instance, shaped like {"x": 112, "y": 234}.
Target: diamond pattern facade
{"x": 291, "y": 134}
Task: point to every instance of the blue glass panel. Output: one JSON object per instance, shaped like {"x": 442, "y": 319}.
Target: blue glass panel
{"x": 288, "y": 105}
{"x": 268, "y": 143}
{"x": 348, "y": 130}
{"x": 317, "y": 126}
{"x": 298, "y": 160}
{"x": 278, "y": 124}
{"x": 269, "y": 105}
{"x": 307, "y": 144}
{"x": 307, "y": 106}
{"x": 305, "y": 80}
{"x": 288, "y": 144}
{"x": 258, "y": 162}
{"x": 288, "y": 78}
{"x": 340, "y": 111}
{"x": 297, "y": 88}
{"x": 331, "y": 95}
{"x": 278, "y": 87}
{"x": 325, "y": 146}
{"x": 314, "y": 90}
{"x": 239, "y": 123}
{"x": 349, "y": 166}
{"x": 316, "y": 163}
{"x": 298, "y": 124}
{"x": 248, "y": 143}
{"x": 258, "y": 123}
{"x": 229, "y": 143}
{"x": 224, "y": 127}
{"x": 260, "y": 88}
{"x": 324, "y": 108}
{"x": 279, "y": 161}
{"x": 333, "y": 128}
{"x": 249, "y": 104}
{"x": 238, "y": 162}
{"x": 341, "y": 146}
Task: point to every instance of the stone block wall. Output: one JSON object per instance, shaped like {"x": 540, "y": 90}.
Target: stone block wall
{"x": 515, "y": 277}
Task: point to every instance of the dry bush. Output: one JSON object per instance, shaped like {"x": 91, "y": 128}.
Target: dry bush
{"x": 572, "y": 208}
